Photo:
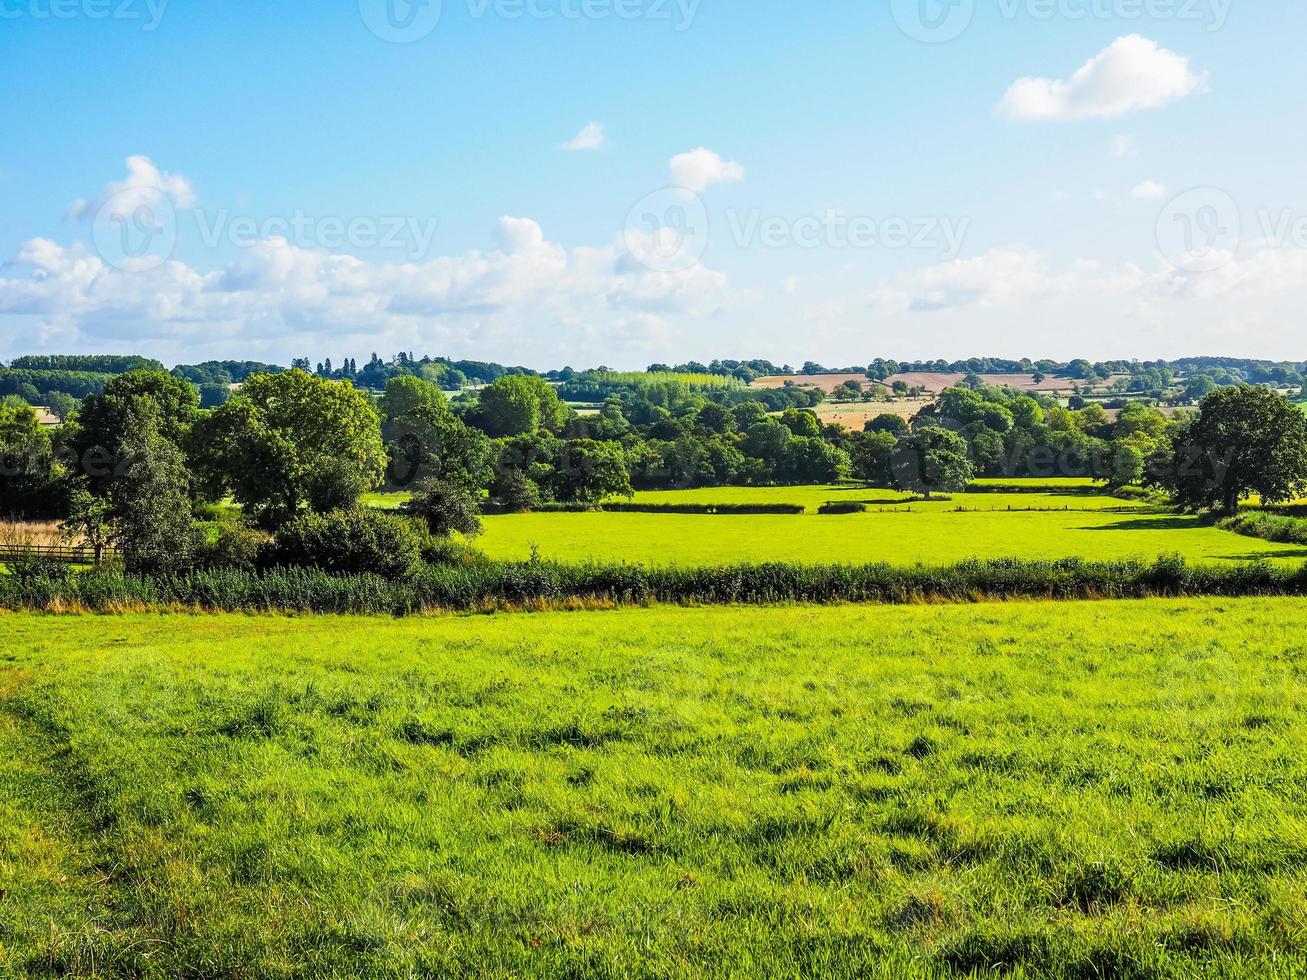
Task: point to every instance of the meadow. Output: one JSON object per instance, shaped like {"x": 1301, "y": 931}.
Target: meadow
{"x": 1060, "y": 789}
{"x": 1066, "y": 520}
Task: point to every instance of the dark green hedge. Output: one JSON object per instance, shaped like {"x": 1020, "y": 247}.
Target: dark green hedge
{"x": 475, "y": 585}
{"x": 631, "y": 508}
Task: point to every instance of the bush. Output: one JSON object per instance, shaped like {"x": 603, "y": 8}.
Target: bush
{"x": 447, "y": 508}
{"x": 1268, "y": 527}
{"x": 842, "y": 507}
{"x": 470, "y": 585}
{"x": 233, "y": 546}
{"x": 349, "y": 543}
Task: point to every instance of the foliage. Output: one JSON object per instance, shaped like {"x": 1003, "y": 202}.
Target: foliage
{"x": 150, "y": 505}
{"x": 1268, "y": 527}
{"x": 28, "y": 470}
{"x": 447, "y": 507}
{"x": 292, "y": 439}
{"x": 518, "y": 405}
{"x": 932, "y": 460}
{"x": 1243, "y": 441}
{"x": 349, "y": 543}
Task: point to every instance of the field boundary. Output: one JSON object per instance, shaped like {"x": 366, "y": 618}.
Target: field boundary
{"x": 540, "y": 585}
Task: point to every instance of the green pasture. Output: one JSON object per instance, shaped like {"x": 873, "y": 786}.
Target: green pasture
{"x": 1066, "y": 790}
{"x": 926, "y": 535}
{"x": 1040, "y": 495}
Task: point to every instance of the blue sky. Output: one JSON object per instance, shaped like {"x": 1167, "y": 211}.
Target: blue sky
{"x": 825, "y": 185}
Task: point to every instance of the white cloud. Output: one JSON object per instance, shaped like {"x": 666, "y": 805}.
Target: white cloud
{"x": 790, "y": 285}
{"x": 1123, "y": 147}
{"x": 142, "y": 186}
{"x": 696, "y": 170}
{"x": 529, "y": 297}
{"x": 1149, "y": 190}
{"x": 1131, "y": 74}
{"x": 592, "y": 137}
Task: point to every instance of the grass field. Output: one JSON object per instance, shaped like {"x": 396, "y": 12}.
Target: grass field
{"x": 1108, "y": 789}
{"x": 927, "y": 536}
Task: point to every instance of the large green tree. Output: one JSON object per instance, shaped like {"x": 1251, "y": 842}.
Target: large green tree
{"x": 105, "y": 420}
{"x": 150, "y": 501}
{"x": 520, "y": 404}
{"x": 291, "y": 440}
{"x": 1243, "y": 441}
{"x": 932, "y": 460}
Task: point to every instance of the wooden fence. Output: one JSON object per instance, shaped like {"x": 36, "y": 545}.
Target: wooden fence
{"x": 68, "y": 554}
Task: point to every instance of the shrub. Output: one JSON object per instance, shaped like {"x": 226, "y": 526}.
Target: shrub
{"x": 234, "y": 545}
{"x": 447, "y": 508}
{"x": 469, "y": 585}
{"x": 842, "y": 507}
{"x": 349, "y": 543}
{"x": 1268, "y": 527}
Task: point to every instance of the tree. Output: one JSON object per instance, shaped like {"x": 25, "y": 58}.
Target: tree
{"x": 89, "y": 522}
{"x": 892, "y": 424}
{"x": 801, "y": 423}
{"x": 448, "y": 507}
{"x": 150, "y": 502}
{"x": 587, "y": 471}
{"x": 293, "y": 439}
{"x": 407, "y": 395}
{"x": 1243, "y": 441}
{"x": 61, "y": 405}
{"x": 849, "y": 391}
{"x": 930, "y": 460}
{"x": 28, "y": 471}
{"x": 520, "y": 404}
{"x": 105, "y": 420}
{"x": 809, "y": 459}
{"x": 1198, "y": 387}
{"x": 873, "y": 455}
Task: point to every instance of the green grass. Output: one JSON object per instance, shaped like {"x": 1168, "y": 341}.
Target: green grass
{"x": 928, "y": 535}
{"x": 1078, "y": 790}
{"x": 1041, "y": 495}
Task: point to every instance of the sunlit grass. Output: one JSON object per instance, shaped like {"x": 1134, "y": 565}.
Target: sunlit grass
{"x": 1068, "y": 789}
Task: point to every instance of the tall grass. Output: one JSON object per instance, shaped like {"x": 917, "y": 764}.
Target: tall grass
{"x": 1268, "y": 527}
{"x": 540, "y": 584}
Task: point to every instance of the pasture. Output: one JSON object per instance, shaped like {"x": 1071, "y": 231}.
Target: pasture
{"x": 1050, "y": 789}
{"x": 1065, "y": 521}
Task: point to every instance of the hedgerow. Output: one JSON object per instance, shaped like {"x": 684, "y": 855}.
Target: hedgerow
{"x": 535, "y": 584}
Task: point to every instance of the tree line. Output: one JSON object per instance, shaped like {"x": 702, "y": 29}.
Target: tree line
{"x": 134, "y": 463}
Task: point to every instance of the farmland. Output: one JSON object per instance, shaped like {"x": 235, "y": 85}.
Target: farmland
{"x": 856, "y": 791}
{"x": 1055, "y": 524}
